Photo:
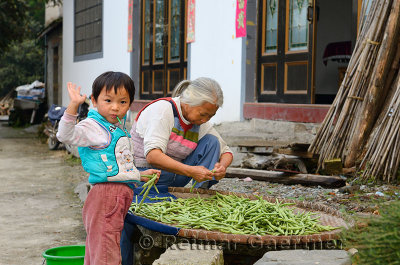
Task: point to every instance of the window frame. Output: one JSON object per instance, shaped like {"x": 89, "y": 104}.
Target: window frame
{"x": 91, "y": 55}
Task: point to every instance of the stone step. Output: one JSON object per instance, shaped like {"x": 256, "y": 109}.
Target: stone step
{"x": 305, "y": 257}
{"x": 191, "y": 254}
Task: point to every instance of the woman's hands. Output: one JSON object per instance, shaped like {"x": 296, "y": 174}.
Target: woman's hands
{"x": 219, "y": 171}
{"x": 200, "y": 173}
{"x": 220, "y": 167}
{"x": 75, "y": 98}
{"x": 150, "y": 172}
{"x": 160, "y": 160}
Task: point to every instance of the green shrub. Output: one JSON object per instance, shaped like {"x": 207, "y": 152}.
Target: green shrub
{"x": 377, "y": 238}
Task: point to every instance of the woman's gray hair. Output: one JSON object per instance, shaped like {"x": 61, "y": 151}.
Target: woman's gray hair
{"x": 199, "y": 91}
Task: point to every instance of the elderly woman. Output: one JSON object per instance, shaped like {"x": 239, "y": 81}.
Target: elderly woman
{"x": 174, "y": 135}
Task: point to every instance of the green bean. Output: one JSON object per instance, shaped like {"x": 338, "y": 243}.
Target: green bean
{"x": 144, "y": 197}
{"x": 191, "y": 189}
{"x": 156, "y": 198}
{"x": 146, "y": 188}
{"x": 155, "y": 187}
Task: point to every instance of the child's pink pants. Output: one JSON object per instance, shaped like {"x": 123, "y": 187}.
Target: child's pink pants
{"x": 103, "y": 215}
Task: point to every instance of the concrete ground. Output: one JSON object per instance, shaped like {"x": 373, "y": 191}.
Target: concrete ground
{"x": 38, "y": 207}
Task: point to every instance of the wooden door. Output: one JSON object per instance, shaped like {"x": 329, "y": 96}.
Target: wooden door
{"x": 163, "y": 47}
{"x": 285, "y": 51}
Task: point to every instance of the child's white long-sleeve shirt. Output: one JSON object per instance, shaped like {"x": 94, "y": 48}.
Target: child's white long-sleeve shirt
{"x": 85, "y": 133}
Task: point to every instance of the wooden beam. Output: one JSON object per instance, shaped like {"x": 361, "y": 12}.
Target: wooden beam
{"x": 256, "y": 149}
{"x": 261, "y": 143}
{"x": 303, "y": 154}
{"x": 285, "y": 178}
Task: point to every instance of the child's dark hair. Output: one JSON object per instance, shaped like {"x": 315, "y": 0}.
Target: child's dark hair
{"x": 114, "y": 80}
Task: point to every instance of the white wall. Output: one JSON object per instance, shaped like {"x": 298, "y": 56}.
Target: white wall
{"x": 217, "y": 54}
{"x": 115, "y": 55}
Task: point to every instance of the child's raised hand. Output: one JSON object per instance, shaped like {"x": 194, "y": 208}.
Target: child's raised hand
{"x": 75, "y": 97}
{"x": 75, "y": 94}
{"x": 150, "y": 172}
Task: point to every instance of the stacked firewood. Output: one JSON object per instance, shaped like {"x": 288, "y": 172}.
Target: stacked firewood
{"x": 6, "y": 104}
{"x": 357, "y": 119}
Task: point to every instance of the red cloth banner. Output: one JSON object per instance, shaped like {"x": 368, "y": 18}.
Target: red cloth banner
{"x": 190, "y": 20}
{"x": 130, "y": 11}
{"x": 240, "y": 20}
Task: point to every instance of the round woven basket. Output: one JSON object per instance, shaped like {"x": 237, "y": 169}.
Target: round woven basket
{"x": 328, "y": 216}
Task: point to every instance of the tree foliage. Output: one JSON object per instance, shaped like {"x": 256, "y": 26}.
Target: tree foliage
{"x": 21, "y": 52}
{"x": 21, "y": 64}
{"x": 12, "y": 22}
{"x": 20, "y": 19}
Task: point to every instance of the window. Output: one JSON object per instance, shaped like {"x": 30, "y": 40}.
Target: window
{"x": 88, "y": 29}
{"x": 163, "y": 47}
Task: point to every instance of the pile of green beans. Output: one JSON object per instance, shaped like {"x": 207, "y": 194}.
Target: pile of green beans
{"x": 232, "y": 214}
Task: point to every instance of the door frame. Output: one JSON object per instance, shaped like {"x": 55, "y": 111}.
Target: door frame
{"x": 168, "y": 66}
{"x": 282, "y": 64}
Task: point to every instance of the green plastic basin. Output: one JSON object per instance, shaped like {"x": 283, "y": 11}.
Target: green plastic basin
{"x": 65, "y": 255}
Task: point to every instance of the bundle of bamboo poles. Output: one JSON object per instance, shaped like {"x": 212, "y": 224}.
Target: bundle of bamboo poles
{"x": 346, "y": 128}
{"x": 382, "y": 158}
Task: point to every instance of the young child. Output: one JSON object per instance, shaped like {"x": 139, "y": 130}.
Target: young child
{"x": 105, "y": 148}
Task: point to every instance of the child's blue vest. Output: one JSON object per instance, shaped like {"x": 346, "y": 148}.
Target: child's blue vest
{"x": 112, "y": 162}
